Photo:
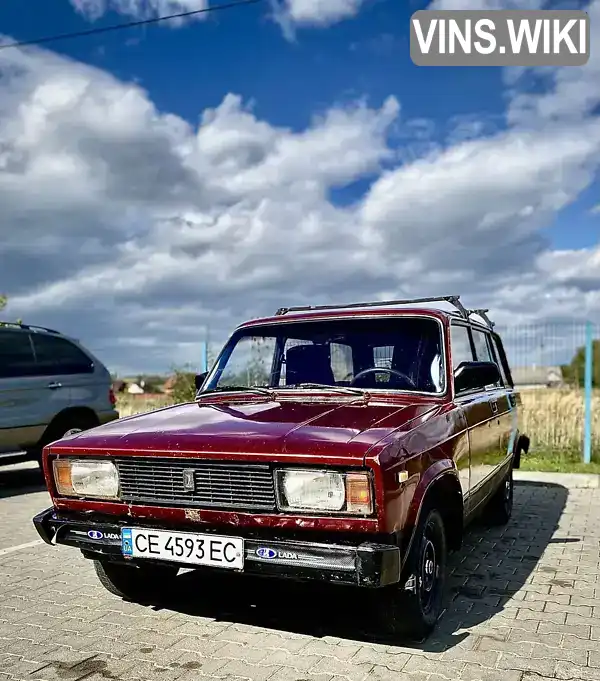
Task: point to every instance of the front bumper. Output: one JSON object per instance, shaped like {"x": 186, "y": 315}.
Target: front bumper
{"x": 366, "y": 565}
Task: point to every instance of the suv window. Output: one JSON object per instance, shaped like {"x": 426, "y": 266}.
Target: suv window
{"x": 17, "y": 354}
{"x": 58, "y": 356}
{"x": 460, "y": 345}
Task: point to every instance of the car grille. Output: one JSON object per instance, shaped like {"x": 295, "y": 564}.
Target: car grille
{"x": 216, "y": 484}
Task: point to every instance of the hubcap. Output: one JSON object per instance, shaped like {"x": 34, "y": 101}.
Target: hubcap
{"x": 428, "y": 566}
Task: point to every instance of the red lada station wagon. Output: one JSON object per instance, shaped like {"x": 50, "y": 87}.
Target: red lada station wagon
{"x": 346, "y": 444}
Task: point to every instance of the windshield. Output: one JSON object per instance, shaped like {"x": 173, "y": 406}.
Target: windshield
{"x": 393, "y": 353}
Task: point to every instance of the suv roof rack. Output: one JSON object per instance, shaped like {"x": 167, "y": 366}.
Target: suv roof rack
{"x": 29, "y": 327}
{"x": 453, "y": 300}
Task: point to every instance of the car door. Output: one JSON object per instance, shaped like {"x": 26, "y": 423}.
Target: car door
{"x": 479, "y": 417}
{"x": 510, "y": 415}
{"x": 22, "y": 392}
{"x": 500, "y": 406}
{"x": 69, "y": 373}
{"x": 461, "y": 351}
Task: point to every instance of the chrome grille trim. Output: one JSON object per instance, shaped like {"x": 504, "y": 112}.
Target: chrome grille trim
{"x": 218, "y": 484}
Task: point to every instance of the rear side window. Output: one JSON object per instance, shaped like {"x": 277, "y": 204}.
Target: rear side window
{"x": 483, "y": 348}
{"x": 460, "y": 345}
{"x": 501, "y": 360}
{"x": 58, "y": 356}
{"x": 16, "y": 355}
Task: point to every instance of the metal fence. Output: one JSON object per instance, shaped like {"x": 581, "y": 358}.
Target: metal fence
{"x": 557, "y": 369}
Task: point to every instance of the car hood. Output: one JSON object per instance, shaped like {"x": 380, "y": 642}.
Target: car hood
{"x": 272, "y": 429}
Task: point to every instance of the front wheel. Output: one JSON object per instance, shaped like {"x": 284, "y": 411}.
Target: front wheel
{"x": 62, "y": 427}
{"x": 133, "y": 582}
{"x": 414, "y": 607}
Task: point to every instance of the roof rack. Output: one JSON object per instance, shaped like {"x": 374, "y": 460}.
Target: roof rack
{"x": 453, "y": 300}
{"x": 29, "y": 327}
{"x": 483, "y": 314}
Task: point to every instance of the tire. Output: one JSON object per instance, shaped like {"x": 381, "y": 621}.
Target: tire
{"x": 135, "y": 583}
{"x": 413, "y": 607}
{"x": 60, "y": 428}
{"x": 500, "y": 506}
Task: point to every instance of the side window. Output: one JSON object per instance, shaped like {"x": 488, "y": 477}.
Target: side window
{"x": 16, "y": 355}
{"x": 501, "y": 361}
{"x": 483, "y": 348}
{"x": 460, "y": 345}
{"x": 341, "y": 362}
{"x": 382, "y": 356}
{"x": 58, "y": 356}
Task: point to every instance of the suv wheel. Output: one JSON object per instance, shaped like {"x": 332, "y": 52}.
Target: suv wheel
{"x": 414, "y": 608}
{"x": 63, "y": 426}
{"x": 499, "y": 508}
{"x": 134, "y": 582}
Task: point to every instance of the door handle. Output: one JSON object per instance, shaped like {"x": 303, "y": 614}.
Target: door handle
{"x": 54, "y": 386}
{"x": 494, "y": 407}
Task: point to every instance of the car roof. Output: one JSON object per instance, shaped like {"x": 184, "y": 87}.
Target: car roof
{"x": 17, "y": 327}
{"x": 445, "y": 316}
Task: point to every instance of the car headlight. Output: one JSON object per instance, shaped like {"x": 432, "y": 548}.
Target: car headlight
{"x": 328, "y": 491}
{"x": 86, "y": 478}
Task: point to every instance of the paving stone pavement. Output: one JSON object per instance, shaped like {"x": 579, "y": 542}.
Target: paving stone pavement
{"x": 525, "y": 606}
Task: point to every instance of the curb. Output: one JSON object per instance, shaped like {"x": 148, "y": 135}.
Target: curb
{"x": 571, "y": 480}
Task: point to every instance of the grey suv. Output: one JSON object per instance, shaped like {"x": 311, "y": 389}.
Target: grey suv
{"x": 49, "y": 385}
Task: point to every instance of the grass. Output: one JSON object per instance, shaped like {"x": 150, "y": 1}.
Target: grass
{"x": 553, "y": 419}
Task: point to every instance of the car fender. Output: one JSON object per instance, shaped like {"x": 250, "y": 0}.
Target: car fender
{"x": 442, "y": 469}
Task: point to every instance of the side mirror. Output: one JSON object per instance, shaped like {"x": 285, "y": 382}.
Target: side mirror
{"x": 475, "y": 375}
{"x": 199, "y": 379}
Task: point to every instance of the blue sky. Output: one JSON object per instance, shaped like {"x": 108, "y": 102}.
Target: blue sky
{"x": 244, "y": 51}
{"x": 288, "y": 89}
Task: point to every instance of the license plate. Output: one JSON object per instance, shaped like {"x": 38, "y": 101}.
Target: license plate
{"x": 184, "y": 547}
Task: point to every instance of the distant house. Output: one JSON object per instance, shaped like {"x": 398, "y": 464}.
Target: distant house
{"x": 135, "y": 389}
{"x": 534, "y": 377}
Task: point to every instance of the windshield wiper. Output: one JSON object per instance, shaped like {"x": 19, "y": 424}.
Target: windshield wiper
{"x": 327, "y": 386}
{"x": 236, "y": 389}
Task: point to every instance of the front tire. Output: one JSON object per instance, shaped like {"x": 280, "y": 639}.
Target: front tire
{"x": 413, "y": 608}
{"x": 132, "y": 582}
{"x": 61, "y": 427}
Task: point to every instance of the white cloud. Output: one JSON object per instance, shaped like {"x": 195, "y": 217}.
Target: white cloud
{"x": 320, "y": 12}
{"x": 140, "y": 9}
{"x": 288, "y": 13}
{"x": 122, "y": 223}
{"x": 570, "y": 93}
{"x": 486, "y": 4}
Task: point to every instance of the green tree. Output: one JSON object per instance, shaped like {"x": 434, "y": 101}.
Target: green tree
{"x": 184, "y": 387}
{"x": 3, "y": 302}
{"x": 574, "y": 373}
